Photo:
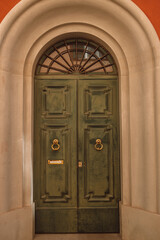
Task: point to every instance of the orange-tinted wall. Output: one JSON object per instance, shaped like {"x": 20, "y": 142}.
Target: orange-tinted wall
{"x": 150, "y": 7}
{"x": 6, "y": 6}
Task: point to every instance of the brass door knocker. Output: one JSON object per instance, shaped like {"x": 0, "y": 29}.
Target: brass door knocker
{"x": 55, "y": 146}
{"x": 98, "y": 146}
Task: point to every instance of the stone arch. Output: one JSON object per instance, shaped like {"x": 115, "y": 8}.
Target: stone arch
{"x": 29, "y": 28}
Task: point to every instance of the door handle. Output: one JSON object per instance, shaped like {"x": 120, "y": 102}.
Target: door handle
{"x": 98, "y": 146}
{"x": 55, "y": 146}
{"x": 80, "y": 164}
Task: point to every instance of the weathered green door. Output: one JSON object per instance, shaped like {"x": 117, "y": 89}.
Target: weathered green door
{"x": 76, "y": 160}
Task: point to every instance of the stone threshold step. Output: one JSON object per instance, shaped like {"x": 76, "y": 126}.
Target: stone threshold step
{"x": 81, "y": 236}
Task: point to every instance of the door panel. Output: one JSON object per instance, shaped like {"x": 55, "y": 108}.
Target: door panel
{"x": 76, "y": 113}
{"x": 98, "y": 220}
{"x": 99, "y": 177}
{"x": 55, "y": 183}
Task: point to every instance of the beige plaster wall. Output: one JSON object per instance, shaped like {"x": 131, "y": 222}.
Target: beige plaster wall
{"x": 139, "y": 224}
{"x": 17, "y": 224}
{"x": 120, "y": 26}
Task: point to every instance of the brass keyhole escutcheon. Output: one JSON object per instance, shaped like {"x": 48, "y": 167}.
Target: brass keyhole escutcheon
{"x": 55, "y": 146}
{"x": 98, "y": 146}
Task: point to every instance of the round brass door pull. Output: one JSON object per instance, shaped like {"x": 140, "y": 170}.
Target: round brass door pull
{"x": 55, "y": 146}
{"x": 98, "y": 146}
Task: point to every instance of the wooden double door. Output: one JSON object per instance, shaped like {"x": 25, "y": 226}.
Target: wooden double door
{"x": 76, "y": 156}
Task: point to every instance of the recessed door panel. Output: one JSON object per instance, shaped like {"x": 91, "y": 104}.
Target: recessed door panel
{"x": 98, "y": 176}
{"x": 56, "y": 101}
{"x": 55, "y": 179}
{"x": 76, "y": 163}
{"x": 98, "y": 101}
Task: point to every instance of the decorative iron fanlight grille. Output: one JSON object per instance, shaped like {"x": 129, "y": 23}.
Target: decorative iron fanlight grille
{"x": 76, "y": 56}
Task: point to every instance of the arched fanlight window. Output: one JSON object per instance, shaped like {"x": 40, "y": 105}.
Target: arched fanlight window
{"x": 76, "y": 56}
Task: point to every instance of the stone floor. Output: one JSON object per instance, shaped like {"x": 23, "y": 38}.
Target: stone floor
{"x": 77, "y": 237}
